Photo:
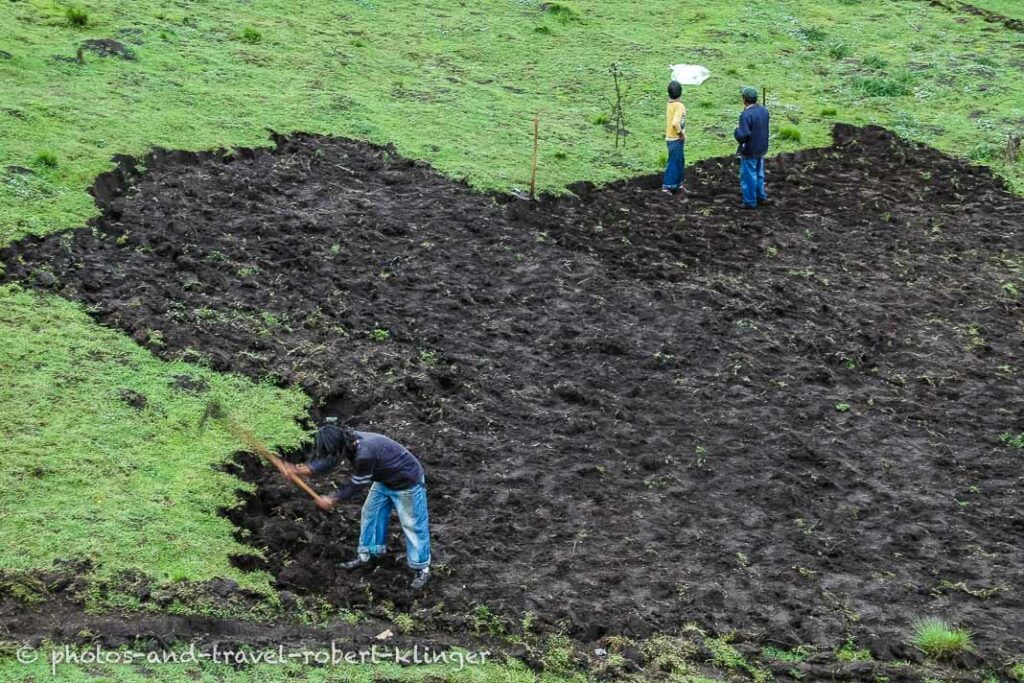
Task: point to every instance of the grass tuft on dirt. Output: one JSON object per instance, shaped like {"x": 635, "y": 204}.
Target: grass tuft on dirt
{"x": 938, "y": 640}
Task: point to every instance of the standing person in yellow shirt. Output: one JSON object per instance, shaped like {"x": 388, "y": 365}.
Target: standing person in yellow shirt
{"x": 675, "y": 138}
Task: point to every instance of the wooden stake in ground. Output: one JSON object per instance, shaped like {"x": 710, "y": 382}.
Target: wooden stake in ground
{"x": 533, "y": 164}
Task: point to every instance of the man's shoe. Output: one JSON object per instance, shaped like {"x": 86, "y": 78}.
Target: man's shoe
{"x": 353, "y": 564}
{"x": 749, "y": 207}
{"x": 421, "y": 578}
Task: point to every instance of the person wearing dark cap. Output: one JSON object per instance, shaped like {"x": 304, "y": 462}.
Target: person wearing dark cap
{"x": 675, "y": 138}
{"x": 395, "y": 480}
{"x": 752, "y": 136}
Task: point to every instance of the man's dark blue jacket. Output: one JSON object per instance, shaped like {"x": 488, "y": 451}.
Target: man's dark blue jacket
{"x": 752, "y": 133}
{"x": 376, "y": 458}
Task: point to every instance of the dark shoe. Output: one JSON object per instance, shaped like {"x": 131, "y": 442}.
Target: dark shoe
{"x": 353, "y": 564}
{"x": 749, "y": 207}
{"x": 763, "y": 201}
{"x": 420, "y": 580}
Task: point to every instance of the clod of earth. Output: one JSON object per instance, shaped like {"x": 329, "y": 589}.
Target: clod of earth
{"x": 625, "y": 404}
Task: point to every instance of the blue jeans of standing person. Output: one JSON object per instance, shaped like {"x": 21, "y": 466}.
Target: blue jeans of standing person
{"x": 411, "y": 506}
{"x": 675, "y": 169}
{"x": 752, "y": 180}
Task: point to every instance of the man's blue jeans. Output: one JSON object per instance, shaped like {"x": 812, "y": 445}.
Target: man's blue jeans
{"x": 752, "y": 180}
{"x": 675, "y": 169}
{"x": 411, "y": 506}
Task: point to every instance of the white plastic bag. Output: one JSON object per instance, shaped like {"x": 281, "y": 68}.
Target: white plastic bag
{"x": 689, "y": 74}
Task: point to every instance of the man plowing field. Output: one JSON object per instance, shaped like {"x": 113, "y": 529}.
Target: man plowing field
{"x": 395, "y": 479}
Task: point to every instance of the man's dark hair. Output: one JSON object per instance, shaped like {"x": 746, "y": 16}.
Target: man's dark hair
{"x": 749, "y": 95}
{"x": 334, "y": 440}
{"x": 675, "y": 91}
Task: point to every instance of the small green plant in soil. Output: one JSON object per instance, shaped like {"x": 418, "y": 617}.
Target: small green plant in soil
{"x": 849, "y": 652}
{"x": 380, "y": 335}
{"x": 797, "y": 654}
{"x": 938, "y": 640}
{"x": 723, "y": 654}
{"x": 1013, "y": 441}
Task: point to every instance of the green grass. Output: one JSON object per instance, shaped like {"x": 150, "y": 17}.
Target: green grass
{"x": 938, "y": 640}
{"x": 789, "y": 134}
{"x": 797, "y": 654}
{"x": 1013, "y": 440}
{"x": 77, "y": 17}
{"x": 849, "y": 652}
{"x": 1008, "y": 8}
{"x": 86, "y": 475}
{"x": 47, "y": 159}
{"x": 352, "y": 69}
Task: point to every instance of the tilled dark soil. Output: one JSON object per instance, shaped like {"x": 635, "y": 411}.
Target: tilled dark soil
{"x": 634, "y": 412}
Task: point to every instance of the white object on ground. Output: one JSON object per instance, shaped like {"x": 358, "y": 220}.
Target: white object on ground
{"x": 689, "y": 74}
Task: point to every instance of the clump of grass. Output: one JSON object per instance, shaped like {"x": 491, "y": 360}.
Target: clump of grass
{"x": 894, "y": 85}
{"x": 725, "y": 655}
{"x": 838, "y": 50}
{"x": 813, "y": 34}
{"x": 1013, "y": 441}
{"x": 797, "y": 654}
{"x": 789, "y": 133}
{"x": 543, "y": 30}
{"x": 600, "y": 120}
{"x": 380, "y": 335}
{"x": 829, "y": 111}
{"x": 939, "y": 640}
{"x": 46, "y": 158}
{"x": 561, "y": 155}
{"x": 1017, "y": 671}
{"x": 77, "y": 16}
{"x": 251, "y": 35}
{"x": 562, "y": 12}
{"x": 874, "y": 62}
{"x": 849, "y": 652}
{"x": 404, "y": 623}
{"x": 559, "y": 657}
